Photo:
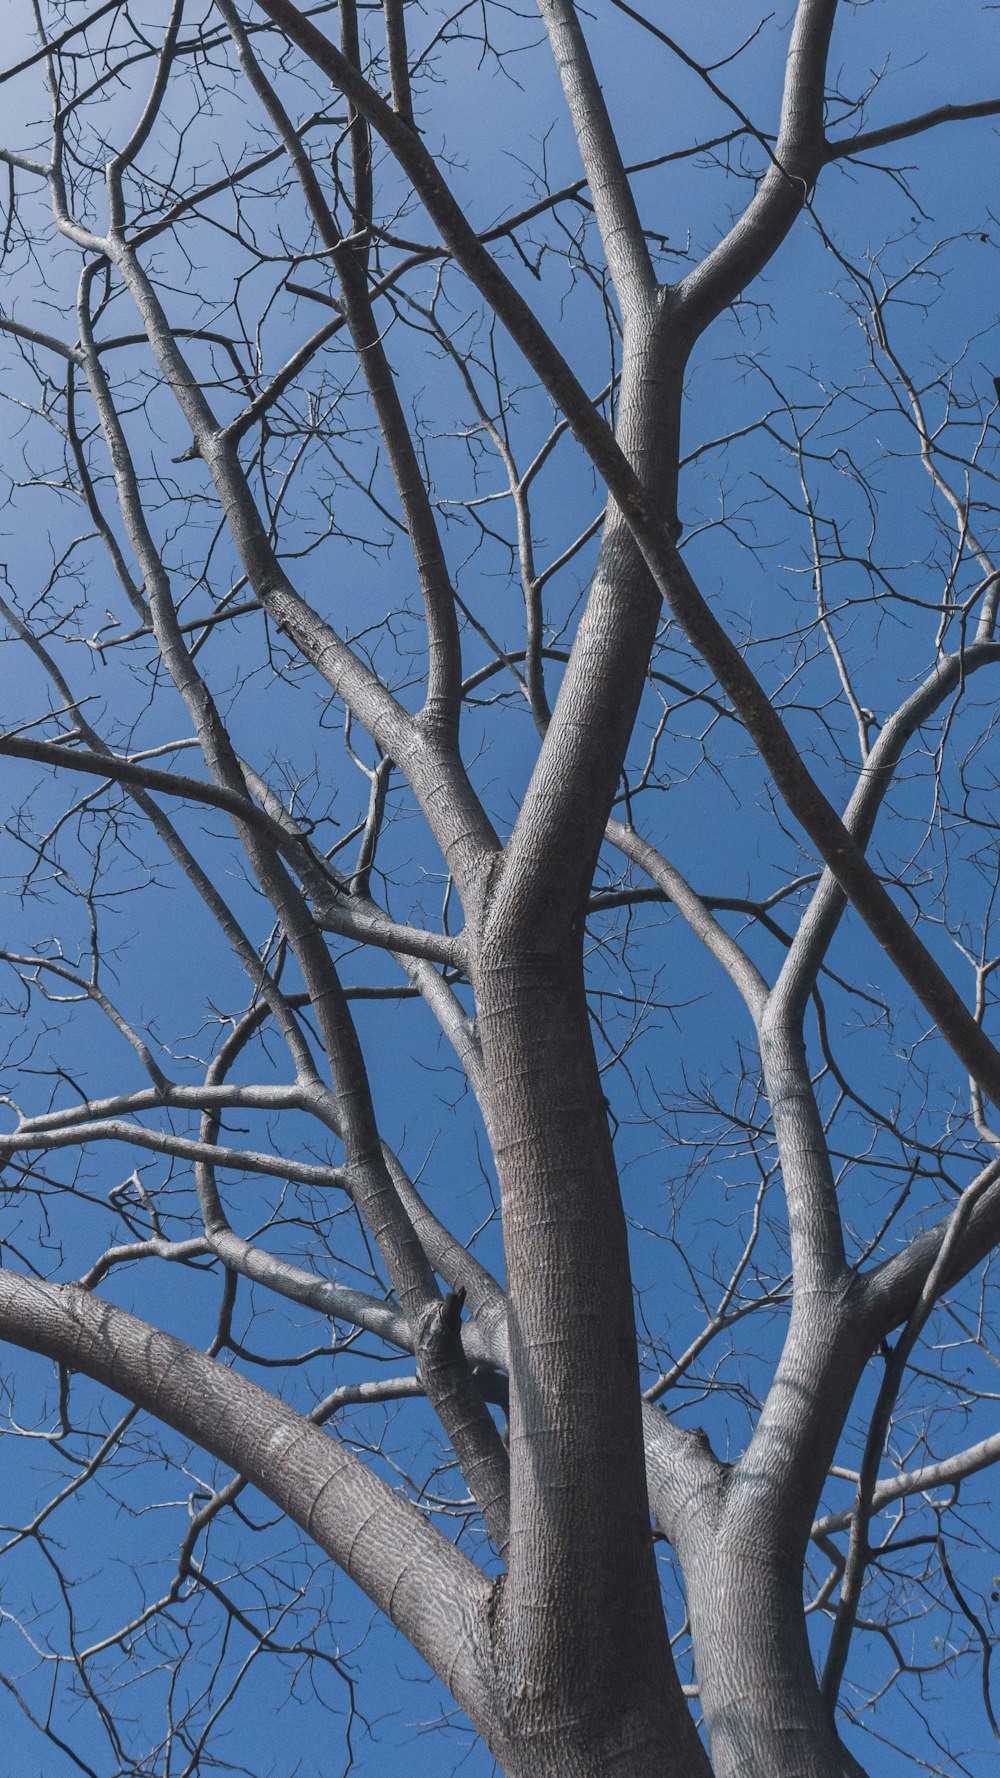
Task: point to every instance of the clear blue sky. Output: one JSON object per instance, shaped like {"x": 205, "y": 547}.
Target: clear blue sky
{"x": 686, "y": 1187}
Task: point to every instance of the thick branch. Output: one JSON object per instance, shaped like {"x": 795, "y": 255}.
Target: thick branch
{"x": 798, "y": 158}
{"x": 802, "y": 117}
{"x": 614, "y": 206}
{"x": 429, "y": 1590}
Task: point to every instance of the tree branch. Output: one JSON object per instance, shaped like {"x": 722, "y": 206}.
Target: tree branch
{"x": 797, "y": 161}
{"x": 435, "y": 1595}
{"x": 842, "y": 146}
{"x": 614, "y": 206}
{"x": 947, "y": 1473}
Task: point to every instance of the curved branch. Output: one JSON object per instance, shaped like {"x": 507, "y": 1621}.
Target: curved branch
{"x": 892, "y": 1288}
{"x": 798, "y": 158}
{"x": 741, "y": 970}
{"x": 819, "y": 923}
{"x": 433, "y": 1593}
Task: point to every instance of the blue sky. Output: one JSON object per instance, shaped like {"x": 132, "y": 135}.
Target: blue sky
{"x": 689, "y": 1181}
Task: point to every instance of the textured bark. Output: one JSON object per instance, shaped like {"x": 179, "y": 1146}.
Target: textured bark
{"x": 581, "y": 1641}
{"x": 580, "y": 1638}
{"x": 742, "y": 1539}
{"x": 413, "y": 1573}
{"x": 764, "y": 1715}
{"x": 563, "y": 1662}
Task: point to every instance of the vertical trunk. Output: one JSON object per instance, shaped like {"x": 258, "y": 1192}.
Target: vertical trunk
{"x": 580, "y": 1639}
{"x": 763, "y": 1712}
{"x": 742, "y": 1548}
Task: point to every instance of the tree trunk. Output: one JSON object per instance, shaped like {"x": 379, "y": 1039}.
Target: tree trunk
{"x": 742, "y": 1545}
{"x": 763, "y": 1712}
{"x": 581, "y": 1647}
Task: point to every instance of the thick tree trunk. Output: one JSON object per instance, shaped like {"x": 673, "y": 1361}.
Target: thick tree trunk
{"x": 742, "y": 1545}
{"x": 571, "y": 1749}
{"x": 580, "y": 1641}
{"x": 579, "y": 1636}
{"x": 763, "y": 1712}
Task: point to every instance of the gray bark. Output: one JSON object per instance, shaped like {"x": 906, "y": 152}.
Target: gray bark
{"x": 563, "y": 1662}
{"x": 580, "y": 1638}
{"x": 742, "y": 1543}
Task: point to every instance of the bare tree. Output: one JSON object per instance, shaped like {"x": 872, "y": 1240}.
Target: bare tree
{"x": 528, "y": 678}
